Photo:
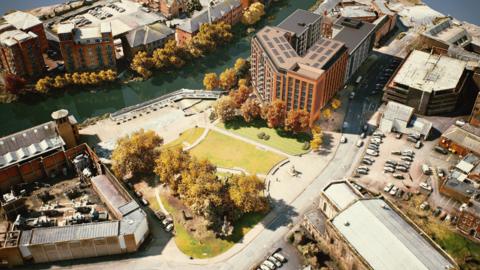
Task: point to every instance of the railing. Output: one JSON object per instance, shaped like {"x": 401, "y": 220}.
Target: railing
{"x": 164, "y": 101}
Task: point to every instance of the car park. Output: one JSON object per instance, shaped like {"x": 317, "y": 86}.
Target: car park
{"x": 398, "y": 176}
{"x": 359, "y": 143}
{"x": 280, "y": 257}
{"x": 393, "y": 191}
{"x": 388, "y": 187}
{"x": 275, "y": 261}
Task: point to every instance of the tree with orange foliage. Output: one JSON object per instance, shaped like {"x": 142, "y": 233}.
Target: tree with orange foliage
{"x": 275, "y": 114}
{"x": 297, "y": 121}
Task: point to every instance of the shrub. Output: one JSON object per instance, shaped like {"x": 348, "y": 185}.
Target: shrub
{"x": 261, "y": 135}
{"x": 266, "y": 137}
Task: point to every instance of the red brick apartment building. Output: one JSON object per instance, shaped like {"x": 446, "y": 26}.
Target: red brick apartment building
{"x": 228, "y": 11}
{"x": 20, "y": 54}
{"x": 293, "y": 63}
{"x": 28, "y": 23}
{"x": 87, "y": 49}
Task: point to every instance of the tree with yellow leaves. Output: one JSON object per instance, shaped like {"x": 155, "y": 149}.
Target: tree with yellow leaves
{"x": 44, "y": 84}
{"x": 210, "y": 81}
{"x": 336, "y": 103}
{"x": 135, "y": 154}
{"x": 253, "y": 14}
{"x": 228, "y": 79}
{"x": 225, "y": 108}
{"x": 317, "y": 138}
{"x": 327, "y": 113}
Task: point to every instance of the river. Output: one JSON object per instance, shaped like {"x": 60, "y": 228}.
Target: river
{"x": 84, "y": 104}
{"x": 463, "y": 10}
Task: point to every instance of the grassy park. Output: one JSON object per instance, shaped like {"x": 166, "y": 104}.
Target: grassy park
{"x": 227, "y": 152}
{"x": 286, "y": 142}
{"x": 208, "y": 246}
{"x": 188, "y": 137}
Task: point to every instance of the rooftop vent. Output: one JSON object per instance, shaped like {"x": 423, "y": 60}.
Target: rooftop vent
{"x": 351, "y": 23}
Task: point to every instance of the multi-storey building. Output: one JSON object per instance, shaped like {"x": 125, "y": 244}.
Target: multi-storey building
{"x": 305, "y": 82}
{"x": 146, "y": 38}
{"x": 475, "y": 116}
{"x": 431, "y": 84}
{"x": 305, "y": 27}
{"x": 20, "y": 54}
{"x": 228, "y": 11}
{"x": 27, "y": 22}
{"x": 359, "y": 38}
{"x": 86, "y": 49}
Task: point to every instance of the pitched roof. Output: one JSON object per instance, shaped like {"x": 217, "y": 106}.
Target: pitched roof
{"x": 148, "y": 34}
{"x": 29, "y": 143}
{"x": 466, "y": 136}
{"x": 385, "y": 239}
{"x": 22, "y": 20}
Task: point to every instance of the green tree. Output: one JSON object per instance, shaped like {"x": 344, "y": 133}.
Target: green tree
{"x": 136, "y": 153}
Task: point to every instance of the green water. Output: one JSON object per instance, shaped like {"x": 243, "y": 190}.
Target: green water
{"x": 84, "y": 104}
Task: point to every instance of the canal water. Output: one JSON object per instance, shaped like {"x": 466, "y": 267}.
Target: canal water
{"x": 84, "y": 104}
{"x": 463, "y": 10}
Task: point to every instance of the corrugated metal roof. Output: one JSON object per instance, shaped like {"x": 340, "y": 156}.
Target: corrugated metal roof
{"x": 106, "y": 188}
{"x": 385, "y": 240}
{"x": 74, "y": 232}
{"x": 128, "y": 207}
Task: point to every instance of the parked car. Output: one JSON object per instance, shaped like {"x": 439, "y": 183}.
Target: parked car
{"x": 138, "y": 194}
{"x": 398, "y": 136}
{"x": 441, "y": 150}
{"x": 372, "y": 152}
{"x": 352, "y": 95}
{"x": 425, "y": 186}
{"x": 159, "y": 215}
{"x": 363, "y": 135}
{"x": 376, "y": 140}
{"x": 364, "y": 168}
{"x": 360, "y": 171}
{"x": 393, "y": 191}
{"x": 426, "y": 169}
{"x": 367, "y": 162}
{"x": 388, "y": 187}
{"x": 275, "y": 261}
{"x": 388, "y": 169}
{"x": 441, "y": 172}
{"x": 398, "y": 153}
{"x": 408, "y": 152}
{"x": 343, "y": 139}
{"x": 144, "y": 202}
{"x": 401, "y": 168}
{"x": 400, "y": 193}
{"x": 269, "y": 264}
{"x": 369, "y": 158}
{"x": 280, "y": 257}
{"x": 418, "y": 145}
{"x": 392, "y": 162}
{"x": 169, "y": 227}
{"x": 460, "y": 122}
{"x": 424, "y": 206}
{"x": 406, "y": 158}
{"x": 167, "y": 221}
{"x": 373, "y": 147}
{"x": 437, "y": 211}
{"x": 398, "y": 176}
{"x": 365, "y": 128}
{"x": 264, "y": 267}
{"x": 359, "y": 143}
{"x": 414, "y": 135}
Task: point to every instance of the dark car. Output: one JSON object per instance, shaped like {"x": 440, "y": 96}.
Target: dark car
{"x": 441, "y": 150}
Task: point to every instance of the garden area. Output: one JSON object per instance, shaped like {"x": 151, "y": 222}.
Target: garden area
{"x": 188, "y": 137}
{"x": 227, "y": 152}
{"x": 195, "y": 241}
{"x": 257, "y": 130}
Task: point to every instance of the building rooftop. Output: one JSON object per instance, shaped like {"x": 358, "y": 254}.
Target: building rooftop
{"x": 299, "y": 21}
{"x": 29, "y": 143}
{"x": 341, "y": 194}
{"x": 351, "y": 32}
{"x": 357, "y": 12}
{"x": 317, "y": 219}
{"x": 382, "y": 7}
{"x": 449, "y": 33}
{"x": 395, "y": 110}
{"x": 10, "y": 38}
{"x": 428, "y": 72}
{"x": 209, "y": 14}
{"x": 385, "y": 239}
{"x": 22, "y": 20}
{"x": 148, "y": 34}
{"x": 400, "y": 118}
{"x": 107, "y": 190}
{"x": 275, "y": 43}
{"x": 466, "y": 136}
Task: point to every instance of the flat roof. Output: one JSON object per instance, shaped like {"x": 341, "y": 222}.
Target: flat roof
{"x": 357, "y": 11}
{"x": 109, "y": 191}
{"x": 29, "y": 143}
{"x": 208, "y": 14}
{"x": 281, "y": 53}
{"x": 466, "y": 136}
{"x": 341, "y": 194}
{"x": 385, "y": 239}
{"x": 351, "y": 32}
{"x": 429, "y": 72}
{"x": 395, "y": 110}
{"x": 13, "y": 37}
{"x": 299, "y": 21}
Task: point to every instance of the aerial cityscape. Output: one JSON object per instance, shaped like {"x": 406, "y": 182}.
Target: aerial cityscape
{"x": 240, "y": 134}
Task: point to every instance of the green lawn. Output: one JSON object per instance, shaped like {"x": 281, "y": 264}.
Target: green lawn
{"x": 459, "y": 247}
{"x": 284, "y": 141}
{"x": 227, "y": 152}
{"x": 189, "y": 136}
{"x": 211, "y": 246}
